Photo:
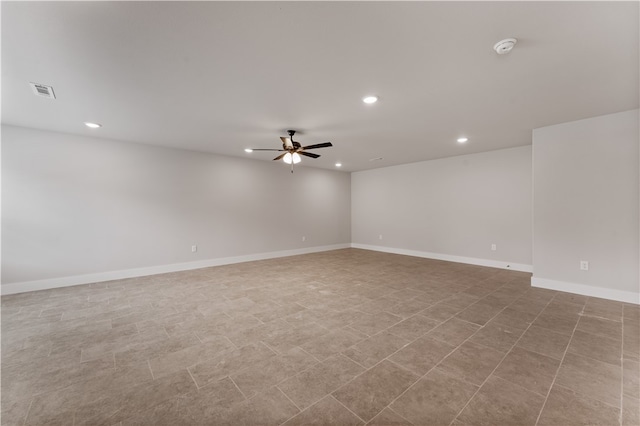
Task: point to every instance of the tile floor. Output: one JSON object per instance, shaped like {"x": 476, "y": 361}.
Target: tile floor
{"x": 347, "y": 337}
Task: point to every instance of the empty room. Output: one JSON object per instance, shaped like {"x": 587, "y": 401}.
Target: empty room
{"x": 329, "y": 213}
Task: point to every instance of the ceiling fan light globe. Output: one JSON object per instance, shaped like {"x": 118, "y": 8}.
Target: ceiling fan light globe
{"x": 287, "y": 158}
{"x": 296, "y": 158}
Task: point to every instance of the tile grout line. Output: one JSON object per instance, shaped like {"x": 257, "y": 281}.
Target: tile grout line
{"x": 194, "y": 380}
{"x": 291, "y": 401}
{"x": 151, "y": 371}
{"x": 396, "y": 413}
{"x": 348, "y": 409}
{"x": 503, "y": 358}
{"x": 561, "y": 362}
{"x": 24, "y": 420}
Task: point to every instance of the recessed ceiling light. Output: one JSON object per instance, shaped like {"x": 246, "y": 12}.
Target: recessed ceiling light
{"x": 338, "y": 164}
{"x": 462, "y": 140}
{"x": 92, "y": 125}
{"x": 248, "y": 150}
{"x": 370, "y": 99}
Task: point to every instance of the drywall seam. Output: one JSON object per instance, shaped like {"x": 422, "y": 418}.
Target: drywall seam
{"x": 587, "y": 290}
{"x": 449, "y": 258}
{"x": 26, "y": 286}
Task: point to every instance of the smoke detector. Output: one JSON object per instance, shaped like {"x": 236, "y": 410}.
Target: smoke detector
{"x": 504, "y": 46}
{"x": 43, "y": 90}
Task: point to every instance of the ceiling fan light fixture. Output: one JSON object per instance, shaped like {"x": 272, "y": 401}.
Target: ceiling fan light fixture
{"x": 370, "y": 99}
{"x": 292, "y": 158}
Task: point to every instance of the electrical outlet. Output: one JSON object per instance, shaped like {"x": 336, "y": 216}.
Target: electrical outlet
{"x": 494, "y": 247}
{"x": 380, "y": 236}
{"x": 584, "y": 265}
{"x": 304, "y": 238}
{"x": 194, "y": 249}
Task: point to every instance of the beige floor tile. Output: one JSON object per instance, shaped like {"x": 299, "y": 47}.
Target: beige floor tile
{"x": 594, "y": 379}
{"x": 257, "y": 333}
{"x": 514, "y": 318}
{"x": 270, "y": 408}
{"x": 435, "y": 399}
{"x": 313, "y": 384}
{"x": 530, "y": 370}
{"x": 453, "y": 331}
{"x": 596, "y": 347}
{"x": 544, "y": 341}
{"x": 600, "y": 327}
{"x": 479, "y": 313}
{"x": 440, "y": 311}
{"x": 373, "y": 390}
{"x": 279, "y": 312}
{"x": 374, "y": 323}
{"x": 331, "y": 343}
{"x": 389, "y": 417}
{"x": 554, "y": 322}
{"x": 471, "y": 362}
{"x": 374, "y": 349}
{"x": 570, "y": 298}
{"x": 60, "y": 404}
{"x": 182, "y": 359}
{"x": 601, "y": 308}
{"x": 130, "y": 401}
{"x": 327, "y": 411}
{"x": 461, "y": 300}
{"x": 497, "y": 336}
{"x": 154, "y": 349}
{"x": 422, "y": 355}
{"x": 566, "y": 407}
{"x": 15, "y": 412}
{"x": 285, "y": 340}
{"x": 413, "y": 327}
{"x": 29, "y": 383}
{"x": 533, "y": 307}
{"x": 407, "y": 308}
{"x": 630, "y": 411}
{"x": 202, "y": 406}
{"x": 631, "y": 379}
{"x": 269, "y": 373}
{"x": 230, "y": 362}
{"x": 499, "y": 402}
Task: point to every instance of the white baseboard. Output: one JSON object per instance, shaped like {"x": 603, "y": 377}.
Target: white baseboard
{"x": 25, "y": 286}
{"x": 450, "y": 258}
{"x": 587, "y": 290}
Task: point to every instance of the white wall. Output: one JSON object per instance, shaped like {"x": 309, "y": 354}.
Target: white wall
{"x": 586, "y": 188}
{"x": 452, "y": 208}
{"x": 75, "y": 208}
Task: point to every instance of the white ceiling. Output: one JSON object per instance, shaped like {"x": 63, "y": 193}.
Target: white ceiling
{"x": 222, "y": 76}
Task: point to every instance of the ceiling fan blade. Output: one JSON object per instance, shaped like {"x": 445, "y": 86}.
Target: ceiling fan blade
{"x": 264, "y": 149}
{"x": 279, "y": 157}
{"x": 286, "y": 142}
{"x": 318, "y": 145}
{"x": 308, "y": 154}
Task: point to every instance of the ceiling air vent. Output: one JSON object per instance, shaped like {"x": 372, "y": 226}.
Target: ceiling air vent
{"x": 43, "y": 90}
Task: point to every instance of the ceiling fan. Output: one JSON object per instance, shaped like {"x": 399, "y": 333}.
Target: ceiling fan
{"x": 293, "y": 150}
